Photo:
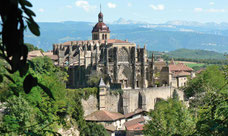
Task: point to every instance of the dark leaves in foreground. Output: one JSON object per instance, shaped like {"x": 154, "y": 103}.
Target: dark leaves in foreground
{"x": 29, "y": 83}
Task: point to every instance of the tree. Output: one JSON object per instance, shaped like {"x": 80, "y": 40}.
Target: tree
{"x": 169, "y": 118}
{"x": 175, "y": 95}
{"x": 31, "y": 47}
{"x": 212, "y": 77}
{"x": 15, "y": 14}
{"x": 46, "y": 113}
{"x": 94, "y": 129}
{"x": 209, "y": 103}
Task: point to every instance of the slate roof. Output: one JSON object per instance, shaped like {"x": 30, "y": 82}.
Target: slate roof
{"x": 103, "y": 115}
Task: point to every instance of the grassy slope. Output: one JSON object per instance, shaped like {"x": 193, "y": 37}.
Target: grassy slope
{"x": 196, "y": 54}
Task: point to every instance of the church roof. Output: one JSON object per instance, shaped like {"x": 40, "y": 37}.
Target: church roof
{"x": 109, "y": 41}
{"x": 101, "y": 27}
{"x": 103, "y": 115}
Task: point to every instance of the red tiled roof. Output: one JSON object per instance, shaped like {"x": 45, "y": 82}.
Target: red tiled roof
{"x": 110, "y": 128}
{"x": 137, "y": 111}
{"x": 136, "y": 127}
{"x": 103, "y": 115}
{"x": 182, "y": 73}
{"x": 179, "y": 67}
{"x": 101, "y": 27}
{"x": 96, "y": 41}
{"x": 134, "y": 122}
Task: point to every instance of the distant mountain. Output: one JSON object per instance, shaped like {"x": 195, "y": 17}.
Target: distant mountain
{"x": 160, "y": 37}
{"x": 195, "y": 54}
{"x": 125, "y": 21}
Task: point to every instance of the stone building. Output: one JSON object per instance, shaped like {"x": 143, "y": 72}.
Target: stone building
{"x": 121, "y": 62}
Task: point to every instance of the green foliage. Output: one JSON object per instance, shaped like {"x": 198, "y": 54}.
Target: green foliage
{"x": 74, "y": 97}
{"x": 13, "y": 50}
{"x": 31, "y": 47}
{"x": 169, "y": 118}
{"x": 116, "y": 92}
{"x": 210, "y": 104}
{"x": 213, "y": 114}
{"x": 212, "y": 77}
{"x": 175, "y": 95}
{"x": 94, "y": 129}
{"x": 46, "y": 113}
{"x": 196, "y": 54}
{"x": 93, "y": 80}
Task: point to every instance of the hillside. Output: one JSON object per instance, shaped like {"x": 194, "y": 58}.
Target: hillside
{"x": 160, "y": 38}
{"x": 195, "y": 54}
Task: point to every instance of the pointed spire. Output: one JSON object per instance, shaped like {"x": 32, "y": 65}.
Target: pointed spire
{"x": 100, "y": 7}
{"x": 102, "y": 84}
{"x": 172, "y": 62}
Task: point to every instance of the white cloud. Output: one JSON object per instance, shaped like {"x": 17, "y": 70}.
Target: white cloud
{"x": 111, "y": 5}
{"x": 41, "y": 10}
{"x": 69, "y": 6}
{"x": 216, "y": 10}
{"x": 211, "y": 3}
{"x": 129, "y": 4}
{"x": 209, "y": 10}
{"x": 85, "y": 5}
{"x": 158, "y": 7}
{"x": 198, "y": 9}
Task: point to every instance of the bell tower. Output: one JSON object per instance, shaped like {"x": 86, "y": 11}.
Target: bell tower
{"x": 100, "y": 30}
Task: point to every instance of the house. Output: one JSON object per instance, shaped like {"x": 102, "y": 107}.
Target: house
{"x": 112, "y": 121}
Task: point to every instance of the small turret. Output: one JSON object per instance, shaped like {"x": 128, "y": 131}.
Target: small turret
{"x": 102, "y": 95}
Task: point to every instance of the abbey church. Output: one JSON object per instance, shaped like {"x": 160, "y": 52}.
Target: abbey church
{"x": 121, "y": 62}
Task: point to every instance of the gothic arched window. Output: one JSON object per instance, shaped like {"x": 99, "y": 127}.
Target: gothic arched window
{"x": 123, "y": 55}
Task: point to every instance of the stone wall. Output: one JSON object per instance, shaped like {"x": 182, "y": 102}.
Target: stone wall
{"x": 131, "y": 100}
{"x": 112, "y": 102}
{"x": 90, "y": 105}
{"x": 148, "y": 98}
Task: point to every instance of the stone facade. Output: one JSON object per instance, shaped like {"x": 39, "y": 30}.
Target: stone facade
{"x": 120, "y": 61}
{"x": 131, "y": 99}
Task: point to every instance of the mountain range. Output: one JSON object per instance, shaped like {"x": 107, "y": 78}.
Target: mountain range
{"x": 159, "y": 37}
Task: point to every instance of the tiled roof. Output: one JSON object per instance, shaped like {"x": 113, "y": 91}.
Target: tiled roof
{"x": 96, "y": 41}
{"x": 137, "y": 111}
{"x": 103, "y": 115}
{"x": 136, "y": 127}
{"x": 110, "y": 128}
{"x": 179, "y": 67}
{"x": 38, "y": 53}
{"x": 182, "y": 73}
{"x": 133, "y": 124}
{"x": 35, "y": 53}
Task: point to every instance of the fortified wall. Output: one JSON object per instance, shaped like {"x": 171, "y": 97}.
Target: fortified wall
{"x": 131, "y": 99}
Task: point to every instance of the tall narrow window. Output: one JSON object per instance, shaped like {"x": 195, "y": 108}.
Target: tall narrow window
{"x": 105, "y": 36}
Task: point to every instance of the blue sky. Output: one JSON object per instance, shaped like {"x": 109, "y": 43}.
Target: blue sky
{"x": 152, "y": 11}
